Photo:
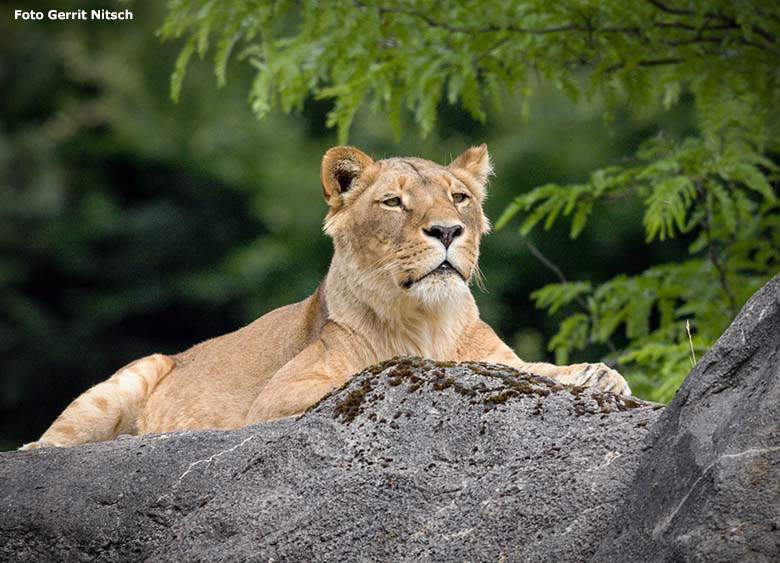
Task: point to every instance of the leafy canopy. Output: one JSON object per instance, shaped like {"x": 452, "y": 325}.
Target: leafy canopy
{"x": 717, "y": 186}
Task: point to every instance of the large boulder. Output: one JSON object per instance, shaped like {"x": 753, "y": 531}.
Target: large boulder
{"x": 708, "y": 486}
{"x": 421, "y": 461}
{"x": 412, "y": 460}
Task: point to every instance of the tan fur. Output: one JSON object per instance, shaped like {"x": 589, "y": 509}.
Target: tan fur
{"x": 385, "y": 295}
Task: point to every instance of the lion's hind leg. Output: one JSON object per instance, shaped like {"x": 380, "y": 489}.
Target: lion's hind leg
{"x": 109, "y": 408}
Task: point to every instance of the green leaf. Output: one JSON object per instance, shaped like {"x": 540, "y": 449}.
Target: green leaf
{"x": 580, "y": 218}
{"x": 725, "y": 205}
{"x": 751, "y": 177}
{"x": 511, "y": 210}
{"x": 572, "y": 335}
{"x": 180, "y": 69}
{"x": 667, "y": 206}
{"x": 555, "y": 295}
{"x": 222, "y": 55}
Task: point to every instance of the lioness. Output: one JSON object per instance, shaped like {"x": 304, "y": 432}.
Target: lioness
{"x": 406, "y": 235}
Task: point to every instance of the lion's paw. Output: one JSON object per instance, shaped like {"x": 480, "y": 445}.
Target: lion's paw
{"x": 602, "y": 377}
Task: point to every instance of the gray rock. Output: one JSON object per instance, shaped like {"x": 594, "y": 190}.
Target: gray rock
{"x": 411, "y": 461}
{"x": 418, "y": 461}
{"x": 708, "y": 487}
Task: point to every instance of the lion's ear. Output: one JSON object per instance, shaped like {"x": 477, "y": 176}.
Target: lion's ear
{"x": 341, "y": 166}
{"x": 475, "y": 161}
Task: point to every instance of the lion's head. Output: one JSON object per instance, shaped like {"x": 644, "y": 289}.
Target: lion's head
{"x": 408, "y": 227}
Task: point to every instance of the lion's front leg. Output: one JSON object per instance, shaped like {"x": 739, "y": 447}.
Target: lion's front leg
{"x": 290, "y": 395}
{"x": 598, "y": 375}
{"x": 326, "y": 364}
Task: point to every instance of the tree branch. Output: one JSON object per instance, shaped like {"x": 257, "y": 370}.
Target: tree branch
{"x": 714, "y": 259}
{"x": 649, "y": 62}
{"x": 469, "y": 30}
{"x": 668, "y": 10}
{"x": 728, "y": 25}
{"x": 557, "y": 271}
{"x": 490, "y": 28}
{"x": 732, "y": 23}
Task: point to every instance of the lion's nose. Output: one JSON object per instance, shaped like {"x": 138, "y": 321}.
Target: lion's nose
{"x": 445, "y": 234}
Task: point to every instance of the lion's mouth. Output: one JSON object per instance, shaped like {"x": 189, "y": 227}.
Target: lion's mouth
{"x": 442, "y": 269}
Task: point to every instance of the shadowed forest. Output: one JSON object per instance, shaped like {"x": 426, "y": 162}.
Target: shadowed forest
{"x": 130, "y": 224}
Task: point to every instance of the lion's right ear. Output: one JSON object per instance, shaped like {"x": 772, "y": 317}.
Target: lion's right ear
{"x": 341, "y": 166}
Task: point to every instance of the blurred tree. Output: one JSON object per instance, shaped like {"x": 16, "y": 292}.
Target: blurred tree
{"x": 129, "y": 224}
{"x": 716, "y": 185}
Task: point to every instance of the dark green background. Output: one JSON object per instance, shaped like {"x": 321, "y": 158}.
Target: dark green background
{"x": 131, "y": 225}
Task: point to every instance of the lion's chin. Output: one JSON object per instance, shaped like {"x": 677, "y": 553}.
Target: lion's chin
{"x": 438, "y": 289}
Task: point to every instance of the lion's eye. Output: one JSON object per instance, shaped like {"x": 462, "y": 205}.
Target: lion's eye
{"x": 392, "y": 202}
{"x": 459, "y": 197}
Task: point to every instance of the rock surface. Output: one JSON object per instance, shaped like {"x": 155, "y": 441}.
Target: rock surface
{"x": 708, "y": 487}
{"x": 420, "y": 461}
{"x": 411, "y": 461}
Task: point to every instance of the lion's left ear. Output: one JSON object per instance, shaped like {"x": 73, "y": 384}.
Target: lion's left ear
{"x": 475, "y": 161}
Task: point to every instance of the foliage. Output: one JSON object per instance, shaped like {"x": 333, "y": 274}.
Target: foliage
{"x": 715, "y": 186}
{"x": 413, "y": 54}
{"x": 725, "y": 206}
